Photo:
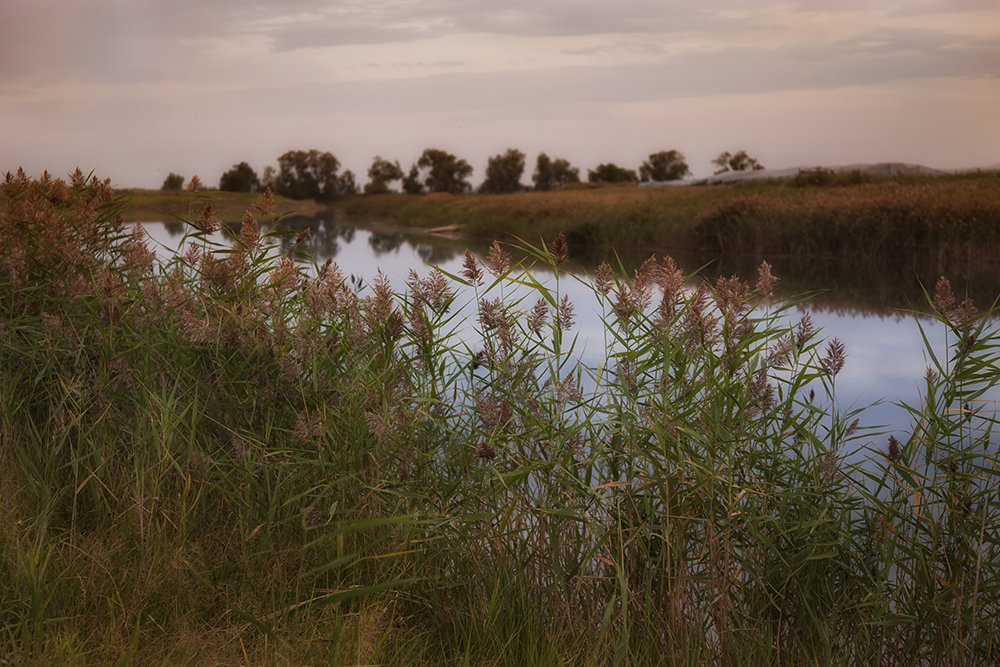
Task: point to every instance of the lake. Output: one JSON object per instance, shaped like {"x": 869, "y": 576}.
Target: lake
{"x": 870, "y": 309}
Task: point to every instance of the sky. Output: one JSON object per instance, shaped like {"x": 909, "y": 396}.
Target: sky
{"x": 135, "y": 89}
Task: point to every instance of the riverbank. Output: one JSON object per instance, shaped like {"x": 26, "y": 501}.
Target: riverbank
{"x": 229, "y": 207}
{"x": 919, "y": 218}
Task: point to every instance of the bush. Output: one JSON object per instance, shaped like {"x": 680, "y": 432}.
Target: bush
{"x": 173, "y": 182}
{"x": 611, "y": 173}
{"x": 241, "y": 178}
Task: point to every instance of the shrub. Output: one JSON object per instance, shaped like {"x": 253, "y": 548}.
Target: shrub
{"x": 173, "y": 182}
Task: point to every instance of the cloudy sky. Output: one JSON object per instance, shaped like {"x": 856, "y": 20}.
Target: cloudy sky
{"x": 134, "y": 89}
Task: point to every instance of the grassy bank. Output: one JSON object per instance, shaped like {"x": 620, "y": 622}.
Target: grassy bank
{"x": 925, "y": 218}
{"x": 166, "y": 206}
{"x": 220, "y": 460}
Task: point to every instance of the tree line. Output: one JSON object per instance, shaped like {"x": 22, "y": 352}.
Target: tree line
{"x": 316, "y": 175}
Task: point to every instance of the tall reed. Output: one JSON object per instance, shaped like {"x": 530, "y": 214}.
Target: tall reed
{"x": 224, "y": 457}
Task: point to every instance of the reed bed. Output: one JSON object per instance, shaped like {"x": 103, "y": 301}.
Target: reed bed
{"x": 930, "y": 220}
{"x": 222, "y": 458}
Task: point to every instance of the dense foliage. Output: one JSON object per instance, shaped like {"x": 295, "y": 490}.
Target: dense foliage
{"x": 552, "y": 174}
{"x": 664, "y": 166}
{"x": 611, "y": 173}
{"x": 308, "y": 174}
{"x": 443, "y": 172}
{"x": 503, "y": 173}
{"x": 380, "y": 174}
{"x": 241, "y": 178}
{"x": 738, "y": 161}
{"x": 173, "y": 182}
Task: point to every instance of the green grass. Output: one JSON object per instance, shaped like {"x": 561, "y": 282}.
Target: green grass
{"x": 221, "y": 460}
{"x": 167, "y": 206}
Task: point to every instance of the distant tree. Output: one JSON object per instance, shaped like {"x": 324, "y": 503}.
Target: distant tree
{"x": 381, "y": 174}
{"x": 347, "y": 184}
{"x": 611, "y": 173}
{"x": 173, "y": 182}
{"x": 503, "y": 173}
{"x": 411, "y": 182}
{"x": 738, "y": 161}
{"x": 308, "y": 175}
{"x": 664, "y": 166}
{"x": 241, "y": 178}
{"x": 445, "y": 172}
{"x": 550, "y": 174}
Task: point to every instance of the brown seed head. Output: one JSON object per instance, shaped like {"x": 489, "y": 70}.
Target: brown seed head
{"x": 560, "y": 250}
{"x": 138, "y": 258}
{"x": 265, "y": 202}
{"x": 732, "y": 295}
{"x": 565, "y": 314}
{"x": 944, "y": 298}
{"x": 499, "y": 259}
{"x": 895, "y": 452}
{"x": 765, "y": 280}
{"x": 780, "y": 353}
{"x": 378, "y": 426}
{"x": 831, "y": 469}
{"x": 249, "y": 233}
{"x": 804, "y": 330}
{"x": 568, "y": 391}
{"x": 438, "y": 291}
{"x": 646, "y": 275}
{"x": 194, "y": 184}
{"x": 604, "y": 278}
{"x": 486, "y": 451}
{"x": 492, "y": 413}
{"x": 836, "y": 354}
{"x": 964, "y": 312}
{"x": 539, "y": 314}
{"x": 286, "y": 276}
{"x": 490, "y": 313}
{"x": 471, "y": 270}
{"x": 670, "y": 277}
{"x": 309, "y": 428}
{"x": 624, "y": 307}
{"x": 207, "y": 222}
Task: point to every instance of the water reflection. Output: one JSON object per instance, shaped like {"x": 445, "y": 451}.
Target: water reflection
{"x": 882, "y": 289}
{"x": 324, "y": 236}
{"x": 385, "y": 243}
{"x": 864, "y": 306}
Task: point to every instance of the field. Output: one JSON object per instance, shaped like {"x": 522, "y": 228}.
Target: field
{"x": 221, "y": 460}
{"x": 913, "y": 218}
{"x": 166, "y": 206}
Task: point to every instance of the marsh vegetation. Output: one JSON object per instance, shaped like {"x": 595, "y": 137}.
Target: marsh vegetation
{"x": 917, "y": 219}
{"x": 220, "y": 458}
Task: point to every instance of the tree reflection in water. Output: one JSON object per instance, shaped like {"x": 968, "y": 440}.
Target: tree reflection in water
{"x": 883, "y": 289}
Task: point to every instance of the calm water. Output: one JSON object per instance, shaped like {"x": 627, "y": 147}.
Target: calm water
{"x": 886, "y": 356}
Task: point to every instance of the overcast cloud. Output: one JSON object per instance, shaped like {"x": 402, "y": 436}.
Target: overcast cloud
{"x": 137, "y": 88}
